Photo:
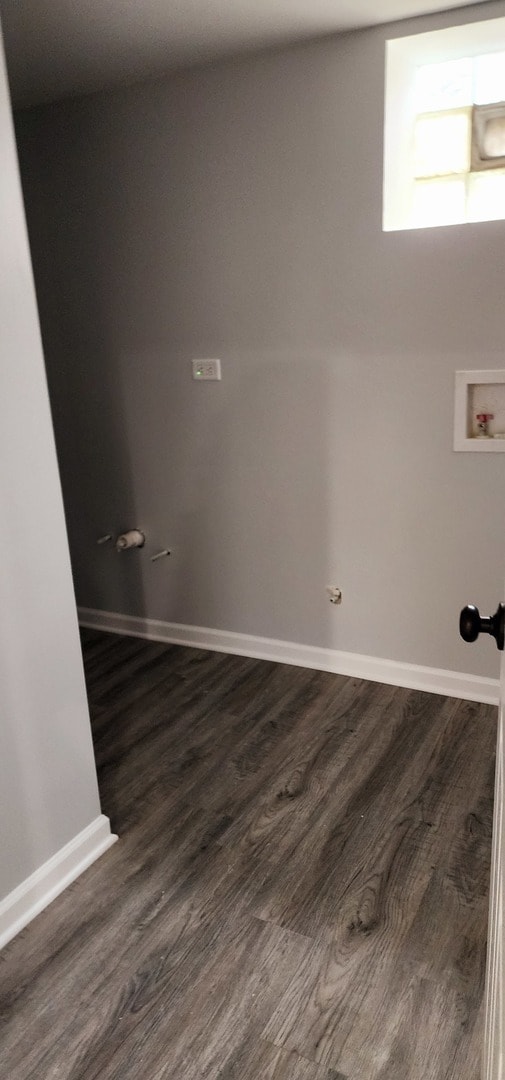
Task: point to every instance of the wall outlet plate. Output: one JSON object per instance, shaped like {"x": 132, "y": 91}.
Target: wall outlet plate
{"x": 206, "y": 369}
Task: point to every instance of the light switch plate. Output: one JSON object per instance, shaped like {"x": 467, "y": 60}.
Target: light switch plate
{"x": 206, "y": 369}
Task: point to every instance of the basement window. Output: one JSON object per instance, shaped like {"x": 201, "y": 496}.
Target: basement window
{"x": 444, "y": 160}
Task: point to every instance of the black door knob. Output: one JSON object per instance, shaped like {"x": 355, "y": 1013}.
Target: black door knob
{"x": 472, "y": 623}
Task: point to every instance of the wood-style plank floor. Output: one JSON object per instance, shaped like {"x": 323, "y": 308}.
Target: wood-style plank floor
{"x": 299, "y": 892}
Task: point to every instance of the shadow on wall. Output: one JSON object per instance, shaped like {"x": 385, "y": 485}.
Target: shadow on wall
{"x": 235, "y": 474}
{"x": 92, "y": 441}
{"x": 232, "y": 476}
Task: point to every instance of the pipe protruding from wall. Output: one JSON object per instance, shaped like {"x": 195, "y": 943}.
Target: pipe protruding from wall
{"x": 134, "y": 538}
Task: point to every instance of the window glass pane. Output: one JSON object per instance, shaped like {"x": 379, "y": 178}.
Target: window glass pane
{"x": 493, "y": 138}
{"x": 442, "y": 144}
{"x": 489, "y": 78}
{"x": 438, "y": 202}
{"x": 444, "y": 86}
{"x": 486, "y": 196}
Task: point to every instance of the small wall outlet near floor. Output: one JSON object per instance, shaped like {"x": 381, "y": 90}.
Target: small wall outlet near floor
{"x": 334, "y": 594}
{"x": 206, "y": 369}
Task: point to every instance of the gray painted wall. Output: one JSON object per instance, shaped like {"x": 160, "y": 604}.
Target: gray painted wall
{"x": 48, "y": 789}
{"x": 235, "y": 211}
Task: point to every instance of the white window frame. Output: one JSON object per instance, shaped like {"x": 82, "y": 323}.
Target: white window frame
{"x": 403, "y": 56}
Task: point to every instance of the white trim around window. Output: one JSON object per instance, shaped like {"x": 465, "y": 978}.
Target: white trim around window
{"x": 403, "y": 57}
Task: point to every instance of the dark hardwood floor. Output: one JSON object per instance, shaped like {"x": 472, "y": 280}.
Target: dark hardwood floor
{"x": 299, "y": 892}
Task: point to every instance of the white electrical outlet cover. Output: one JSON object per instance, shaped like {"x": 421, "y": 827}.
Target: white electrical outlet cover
{"x": 206, "y": 369}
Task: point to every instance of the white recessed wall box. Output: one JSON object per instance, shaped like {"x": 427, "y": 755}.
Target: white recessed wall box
{"x": 479, "y": 411}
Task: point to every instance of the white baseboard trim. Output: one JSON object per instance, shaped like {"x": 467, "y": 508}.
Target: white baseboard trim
{"x": 413, "y": 676}
{"x": 38, "y": 890}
